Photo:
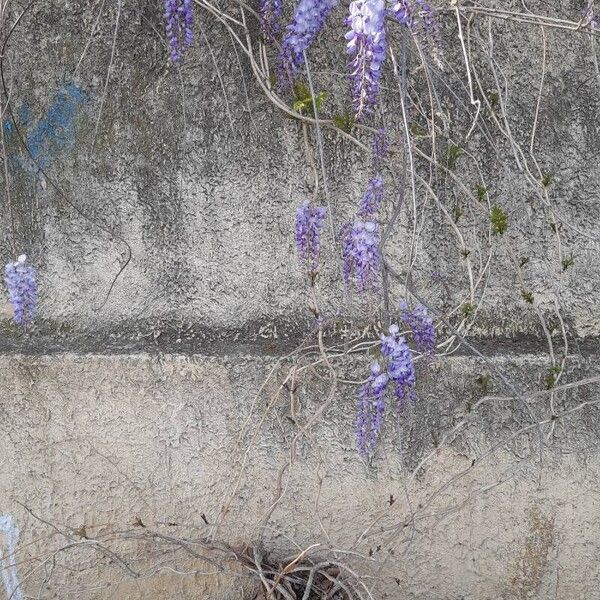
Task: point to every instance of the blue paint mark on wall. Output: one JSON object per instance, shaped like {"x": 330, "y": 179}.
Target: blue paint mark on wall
{"x": 55, "y": 131}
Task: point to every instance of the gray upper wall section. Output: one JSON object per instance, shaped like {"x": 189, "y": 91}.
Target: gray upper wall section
{"x": 205, "y": 197}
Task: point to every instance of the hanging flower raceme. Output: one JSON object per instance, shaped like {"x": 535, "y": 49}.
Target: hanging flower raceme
{"x": 421, "y": 18}
{"x": 309, "y": 225}
{"x": 371, "y": 410}
{"x": 372, "y": 198}
{"x": 381, "y": 145}
{"x": 402, "y": 11}
{"x": 590, "y": 16}
{"x": 269, "y": 12}
{"x": 361, "y": 255}
{"x": 308, "y": 20}
{"x": 367, "y": 45}
{"x": 421, "y": 325}
{"x": 401, "y": 368}
{"x": 22, "y": 289}
{"x": 425, "y": 14}
{"x": 396, "y": 367}
{"x": 179, "y": 20}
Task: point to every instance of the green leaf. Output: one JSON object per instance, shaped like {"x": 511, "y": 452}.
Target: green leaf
{"x": 551, "y": 377}
{"x": 483, "y": 382}
{"x": 481, "y": 193}
{"x": 499, "y": 220}
{"x": 417, "y": 130}
{"x": 303, "y": 101}
{"x": 527, "y": 296}
{"x": 344, "y": 122}
{"x": 494, "y": 99}
{"x": 454, "y": 153}
{"x": 568, "y": 262}
{"x": 457, "y": 212}
{"x": 468, "y": 309}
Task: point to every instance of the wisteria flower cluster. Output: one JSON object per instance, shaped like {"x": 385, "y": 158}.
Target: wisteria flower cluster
{"x": 371, "y": 410}
{"x": 589, "y": 14}
{"x": 20, "y": 279}
{"x": 396, "y": 368}
{"x": 421, "y": 325}
{"x": 367, "y": 45}
{"x": 308, "y": 20}
{"x": 269, "y": 12}
{"x": 417, "y": 15}
{"x": 309, "y": 225}
{"x": 179, "y": 20}
{"x": 361, "y": 255}
{"x": 361, "y": 238}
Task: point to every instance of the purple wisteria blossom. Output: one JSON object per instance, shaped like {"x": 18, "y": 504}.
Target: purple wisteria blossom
{"x": 401, "y": 369}
{"x": 589, "y": 14}
{"x": 269, "y": 12}
{"x": 417, "y": 15}
{"x": 421, "y": 325}
{"x": 367, "y": 45}
{"x": 22, "y": 289}
{"x": 309, "y": 225}
{"x": 381, "y": 145}
{"x": 361, "y": 255}
{"x": 372, "y": 198}
{"x": 402, "y": 11}
{"x": 308, "y": 20}
{"x": 395, "y": 367}
{"x": 179, "y": 20}
{"x": 371, "y": 410}
{"x": 421, "y": 18}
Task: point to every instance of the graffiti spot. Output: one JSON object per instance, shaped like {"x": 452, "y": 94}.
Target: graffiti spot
{"x": 52, "y": 133}
{"x": 55, "y": 131}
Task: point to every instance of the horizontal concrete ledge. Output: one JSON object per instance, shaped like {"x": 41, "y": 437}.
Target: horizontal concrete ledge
{"x": 257, "y": 339}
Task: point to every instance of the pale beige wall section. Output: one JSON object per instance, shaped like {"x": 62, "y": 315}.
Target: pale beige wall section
{"x": 100, "y": 441}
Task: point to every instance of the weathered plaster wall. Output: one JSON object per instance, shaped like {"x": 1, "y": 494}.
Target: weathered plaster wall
{"x": 102, "y": 440}
{"x": 199, "y": 175}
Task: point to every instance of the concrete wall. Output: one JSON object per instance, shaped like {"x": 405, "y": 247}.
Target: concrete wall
{"x": 101, "y": 441}
{"x": 130, "y": 404}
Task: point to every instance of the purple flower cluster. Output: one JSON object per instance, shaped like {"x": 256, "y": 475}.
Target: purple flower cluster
{"x": 421, "y": 325}
{"x": 179, "y": 20}
{"x": 361, "y": 254}
{"x": 22, "y": 289}
{"x": 589, "y": 14}
{"x": 367, "y": 45}
{"x": 417, "y": 15}
{"x": 372, "y": 198}
{"x": 360, "y": 238}
{"x": 371, "y": 410}
{"x": 397, "y": 367}
{"x": 403, "y": 13}
{"x": 308, "y": 19}
{"x": 309, "y": 225}
{"x": 380, "y": 147}
{"x": 269, "y": 12}
{"x": 401, "y": 368}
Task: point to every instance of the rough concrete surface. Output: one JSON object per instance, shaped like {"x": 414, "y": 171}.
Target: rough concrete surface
{"x": 131, "y": 405}
{"x": 102, "y": 441}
